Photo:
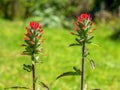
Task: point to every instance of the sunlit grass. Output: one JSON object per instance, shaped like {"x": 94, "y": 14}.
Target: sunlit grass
{"x": 58, "y": 57}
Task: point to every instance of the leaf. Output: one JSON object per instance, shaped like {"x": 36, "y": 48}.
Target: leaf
{"x": 92, "y": 64}
{"x": 95, "y": 44}
{"x": 77, "y": 40}
{"x": 77, "y": 70}
{"x": 28, "y": 68}
{"x": 44, "y": 85}
{"x": 17, "y": 87}
{"x": 68, "y": 74}
{"x": 86, "y": 54}
{"x": 37, "y": 45}
{"x": 90, "y": 37}
{"x": 36, "y": 58}
{"x": 88, "y": 42}
{"x": 75, "y": 44}
{"x": 96, "y": 89}
{"x": 26, "y": 53}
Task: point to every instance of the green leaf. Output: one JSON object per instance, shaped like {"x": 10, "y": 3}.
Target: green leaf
{"x": 79, "y": 40}
{"x": 88, "y": 42}
{"x": 90, "y": 37}
{"x": 28, "y": 49}
{"x": 45, "y": 86}
{"x": 86, "y": 54}
{"x": 36, "y": 51}
{"x": 16, "y": 87}
{"x": 75, "y": 44}
{"x": 26, "y": 53}
{"x": 37, "y": 45}
{"x": 77, "y": 70}
{"x": 96, "y": 44}
{"x": 36, "y": 58}
{"x": 70, "y": 73}
{"x": 28, "y": 68}
{"x": 92, "y": 64}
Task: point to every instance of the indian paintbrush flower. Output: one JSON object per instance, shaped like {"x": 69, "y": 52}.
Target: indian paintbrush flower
{"x": 32, "y": 38}
{"x": 82, "y": 32}
{"x": 32, "y": 46}
{"x": 84, "y": 24}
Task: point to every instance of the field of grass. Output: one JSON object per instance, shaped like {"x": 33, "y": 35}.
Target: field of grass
{"x": 59, "y": 58}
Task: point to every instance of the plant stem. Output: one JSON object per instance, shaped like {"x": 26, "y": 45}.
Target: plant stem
{"x": 33, "y": 72}
{"x": 33, "y": 76}
{"x": 82, "y": 75}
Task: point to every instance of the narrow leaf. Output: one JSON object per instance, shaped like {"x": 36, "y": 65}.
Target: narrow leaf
{"x": 45, "y": 86}
{"x": 86, "y": 54}
{"x": 77, "y": 70}
{"x": 75, "y": 44}
{"x": 16, "y": 87}
{"x": 77, "y": 40}
{"x": 28, "y": 68}
{"x": 90, "y": 37}
{"x": 92, "y": 64}
{"x": 67, "y": 74}
{"x": 95, "y": 44}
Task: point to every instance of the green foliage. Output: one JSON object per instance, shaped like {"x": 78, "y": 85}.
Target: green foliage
{"x": 45, "y": 86}
{"x": 16, "y": 87}
{"x": 109, "y": 5}
{"x": 28, "y": 68}
{"x": 106, "y": 56}
{"x": 114, "y": 23}
{"x": 76, "y": 72}
{"x": 50, "y": 12}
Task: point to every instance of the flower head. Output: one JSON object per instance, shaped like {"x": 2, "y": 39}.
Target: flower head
{"x": 35, "y": 25}
{"x": 84, "y": 17}
{"x": 84, "y": 22}
{"x": 83, "y": 27}
{"x": 32, "y": 38}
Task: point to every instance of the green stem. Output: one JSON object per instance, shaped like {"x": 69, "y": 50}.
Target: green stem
{"x": 82, "y": 75}
{"x": 33, "y": 72}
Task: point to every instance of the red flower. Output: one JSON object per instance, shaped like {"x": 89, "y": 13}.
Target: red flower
{"x": 35, "y": 25}
{"x": 84, "y": 17}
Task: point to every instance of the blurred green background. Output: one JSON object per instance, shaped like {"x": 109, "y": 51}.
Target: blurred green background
{"x": 57, "y": 17}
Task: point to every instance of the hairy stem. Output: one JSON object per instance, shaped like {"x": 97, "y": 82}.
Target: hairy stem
{"x": 82, "y": 75}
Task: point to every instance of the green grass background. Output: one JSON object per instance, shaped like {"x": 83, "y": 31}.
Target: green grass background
{"x": 59, "y": 58}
